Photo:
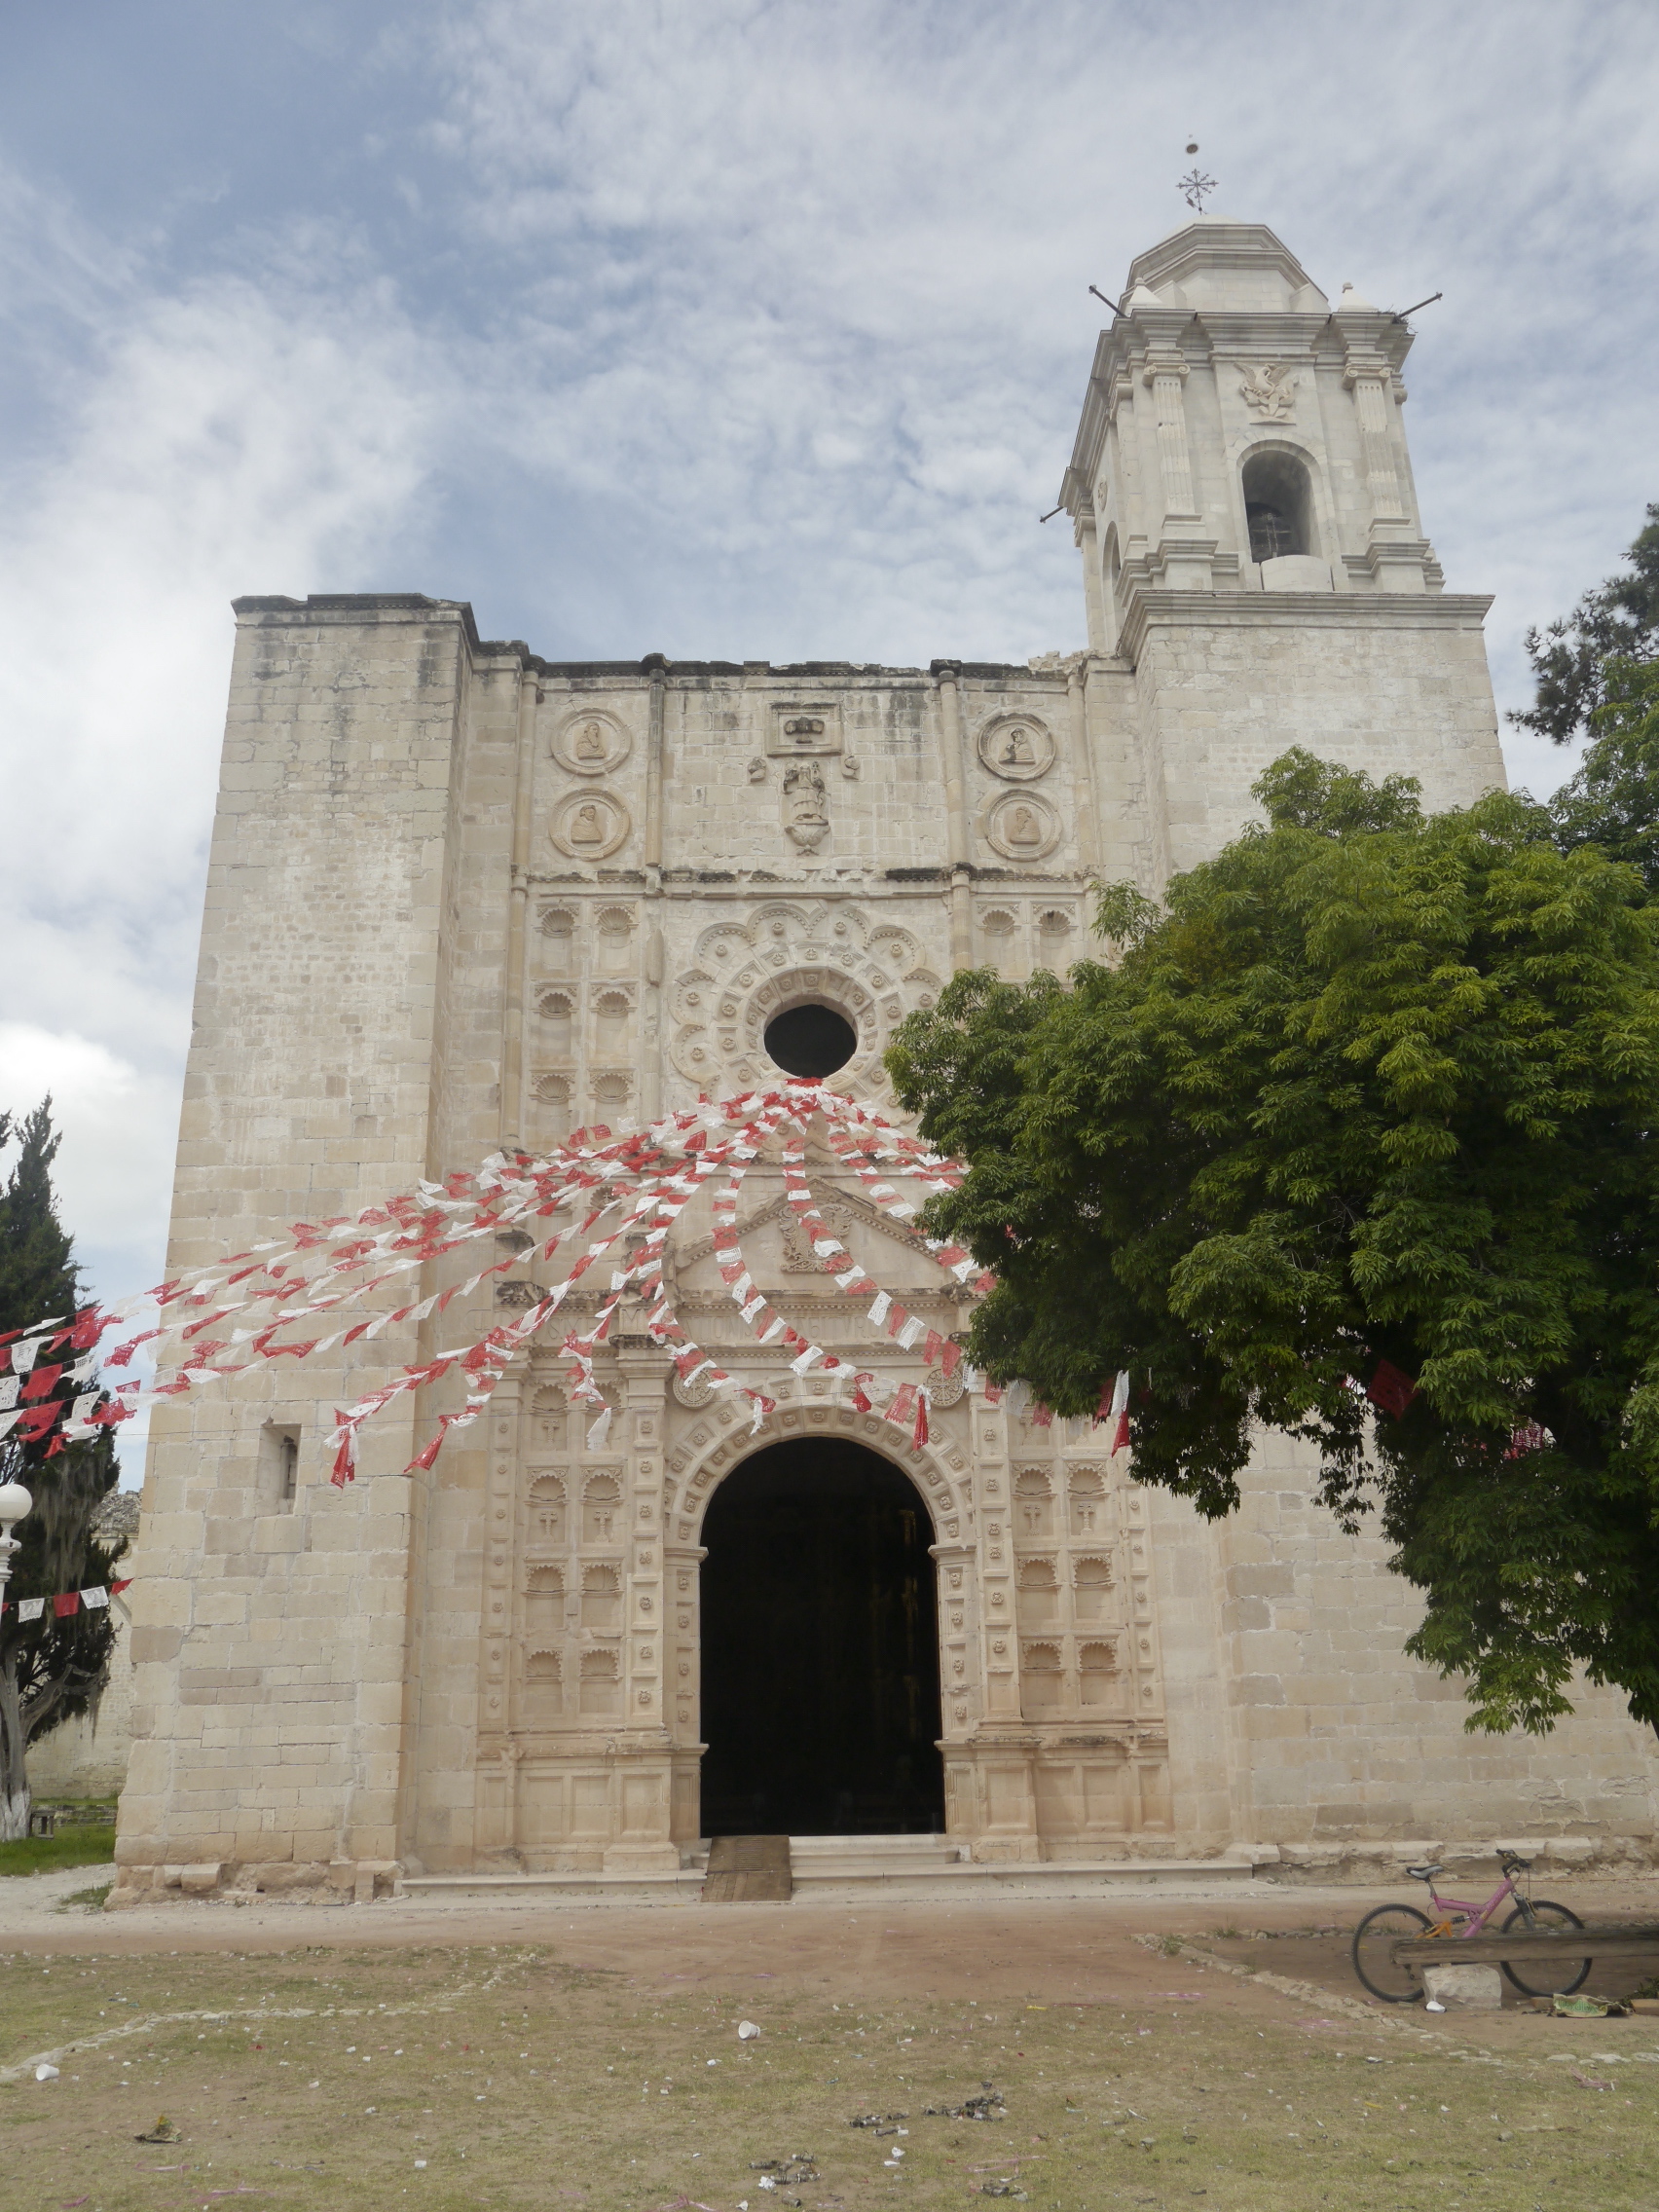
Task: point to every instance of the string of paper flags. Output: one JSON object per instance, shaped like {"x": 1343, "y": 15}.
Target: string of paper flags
{"x": 628, "y": 1191}
{"x": 67, "y": 1603}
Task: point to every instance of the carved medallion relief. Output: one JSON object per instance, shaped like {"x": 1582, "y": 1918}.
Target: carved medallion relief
{"x": 1016, "y": 748}
{"x": 589, "y": 825}
{"x": 591, "y": 744}
{"x": 1021, "y": 826}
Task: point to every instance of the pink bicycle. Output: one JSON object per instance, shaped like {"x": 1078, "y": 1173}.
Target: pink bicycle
{"x": 1453, "y": 1918}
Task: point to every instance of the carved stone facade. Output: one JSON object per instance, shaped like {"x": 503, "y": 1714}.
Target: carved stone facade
{"x": 462, "y": 895}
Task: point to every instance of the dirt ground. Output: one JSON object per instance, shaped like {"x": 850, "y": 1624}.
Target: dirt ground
{"x": 1149, "y": 2049}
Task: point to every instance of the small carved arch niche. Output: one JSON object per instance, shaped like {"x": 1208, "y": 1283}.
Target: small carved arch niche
{"x": 558, "y": 925}
{"x": 1278, "y": 504}
{"x": 615, "y": 926}
{"x": 1039, "y": 1592}
{"x": 1042, "y": 1677}
{"x": 549, "y": 1411}
{"x": 1097, "y": 1667}
{"x": 1033, "y": 1503}
{"x": 552, "y": 1093}
{"x": 599, "y": 1689}
{"x": 601, "y": 1599}
{"x": 544, "y": 1603}
{"x": 557, "y": 1012}
{"x": 1087, "y": 1501}
{"x": 612, "y": 1011}
{"x": 544, "y": 1686}
{"x": 602, "y": 1504}
{"x": 1092, "y": 1579}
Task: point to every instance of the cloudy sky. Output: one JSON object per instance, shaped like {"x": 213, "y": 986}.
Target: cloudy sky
{"x": 737, "y": 328}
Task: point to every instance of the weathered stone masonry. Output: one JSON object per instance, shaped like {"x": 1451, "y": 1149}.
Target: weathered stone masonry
{"x": 461, "y": 895}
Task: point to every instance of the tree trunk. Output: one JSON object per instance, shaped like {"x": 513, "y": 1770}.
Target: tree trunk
{"x": 14, "y": 1774}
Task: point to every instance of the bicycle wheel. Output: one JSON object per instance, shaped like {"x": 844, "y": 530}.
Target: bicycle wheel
{"x": 1547, "y": 1977}
{"x": 1373, "y": 1940}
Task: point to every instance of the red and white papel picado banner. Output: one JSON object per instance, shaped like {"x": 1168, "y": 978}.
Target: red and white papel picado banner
{"x": 626, "y": 1194}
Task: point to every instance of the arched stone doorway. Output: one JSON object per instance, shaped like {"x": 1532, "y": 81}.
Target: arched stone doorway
{"x": 820, "y": 1647}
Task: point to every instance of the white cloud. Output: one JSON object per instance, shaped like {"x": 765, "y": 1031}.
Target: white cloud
{"x": 737, "y": 327}
{"x": 805, "y": 287}
{"x": 118, "y": 1126}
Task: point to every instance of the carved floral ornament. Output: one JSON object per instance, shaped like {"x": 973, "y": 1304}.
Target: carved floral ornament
{"x": 806, "y": 804}
{"x": 744, "y": 973}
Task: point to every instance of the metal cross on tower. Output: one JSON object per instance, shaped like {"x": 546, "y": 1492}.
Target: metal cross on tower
{"x": 1194, "y": 186}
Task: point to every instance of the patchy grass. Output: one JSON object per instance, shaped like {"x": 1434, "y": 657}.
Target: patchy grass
{"x": 91, "y": 1900}
{"x": 77, "y": 1846}
{"x": 320, "y": 2078}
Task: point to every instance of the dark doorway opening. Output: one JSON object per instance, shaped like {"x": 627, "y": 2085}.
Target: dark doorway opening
{"x": 821, "y": 1703}
{"x": 811, "y": 1040}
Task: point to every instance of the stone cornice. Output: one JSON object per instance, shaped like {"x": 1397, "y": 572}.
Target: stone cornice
{"x": 1368, "y": 611}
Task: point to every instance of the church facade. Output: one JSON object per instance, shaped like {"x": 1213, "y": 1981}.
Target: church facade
{"x": 463, "y": 897}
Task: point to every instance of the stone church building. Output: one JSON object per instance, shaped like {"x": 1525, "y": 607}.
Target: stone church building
{"x": 462, "y": 896}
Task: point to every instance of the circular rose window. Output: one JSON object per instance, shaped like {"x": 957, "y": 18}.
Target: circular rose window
{"x": 811, "y": 1040}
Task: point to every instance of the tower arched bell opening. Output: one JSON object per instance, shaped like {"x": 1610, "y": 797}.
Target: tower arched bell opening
{"x": 820, "y": 1649}
{"x": 1278, "y": 505}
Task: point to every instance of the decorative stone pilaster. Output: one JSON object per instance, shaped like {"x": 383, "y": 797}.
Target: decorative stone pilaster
{"x": 1167, "y": 371}
{"x": 1368, "y": 376}
{"x": 958, "y": 1627}
{"x": 643, "y": 1840}
{"x": 495, "y": 1800}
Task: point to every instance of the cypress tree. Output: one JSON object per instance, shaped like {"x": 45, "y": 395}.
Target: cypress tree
{"x": 52, "y": 1669}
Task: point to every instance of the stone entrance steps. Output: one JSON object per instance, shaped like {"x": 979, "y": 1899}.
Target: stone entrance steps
{"x": 929, "y": 1869}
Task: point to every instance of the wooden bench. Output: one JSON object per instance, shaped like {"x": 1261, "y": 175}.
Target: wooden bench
{"x": 1627, "y": 1939}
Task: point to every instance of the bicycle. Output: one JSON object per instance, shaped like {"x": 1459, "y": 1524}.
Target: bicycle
{"x": 1455, "y": 1919}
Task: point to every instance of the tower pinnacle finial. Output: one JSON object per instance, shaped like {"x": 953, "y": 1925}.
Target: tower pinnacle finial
{"x": 1194, "y": 186}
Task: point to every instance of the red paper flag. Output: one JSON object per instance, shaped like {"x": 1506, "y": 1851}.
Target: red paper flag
{"x": 1391, "y": 1388}
{"x": 69, "y": 1603}
{"x": 39, "y": 1381}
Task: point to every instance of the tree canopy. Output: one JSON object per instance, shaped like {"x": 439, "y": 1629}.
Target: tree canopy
{"x": 50, "y": 1670}
{"x": 1369, "y": 1102}
{"x": 1617, "y": 621}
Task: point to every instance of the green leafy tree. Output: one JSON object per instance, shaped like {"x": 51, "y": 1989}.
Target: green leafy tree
{"x": 1613, "y": 799}
{"x": 50, "y": 1670}
{"x": 1619, "y": 621}
{"x": 1370, "y": 1102}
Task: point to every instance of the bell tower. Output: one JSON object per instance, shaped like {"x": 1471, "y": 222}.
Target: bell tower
{"x": 1241, "y": 495}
